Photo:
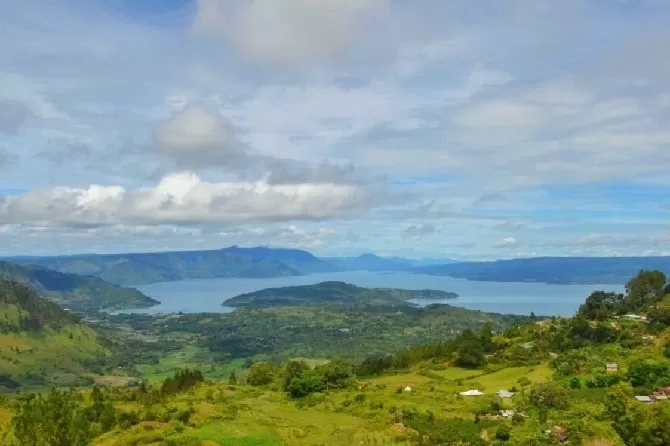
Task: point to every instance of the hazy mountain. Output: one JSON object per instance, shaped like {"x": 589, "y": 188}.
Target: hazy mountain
{"x": 143, "y": 268}
{"x": 604, "y": 270}
{"x": 79, "y": 293}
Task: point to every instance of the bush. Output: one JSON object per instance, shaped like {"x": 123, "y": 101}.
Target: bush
{"x": 502, "y": 433}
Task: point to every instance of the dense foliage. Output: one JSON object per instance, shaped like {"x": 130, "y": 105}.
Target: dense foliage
{"x": 333, "y": 294}
{"x": 572, "y": 380}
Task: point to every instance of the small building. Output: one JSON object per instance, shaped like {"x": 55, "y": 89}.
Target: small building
{"x": 636, "y": 317}
{"x": 408, "y": 389}
{"x": 611, "y": 367}
{"x": 473, "y": 392}
{"x": 504, "y": 394}
{"x": 643, "y": 398}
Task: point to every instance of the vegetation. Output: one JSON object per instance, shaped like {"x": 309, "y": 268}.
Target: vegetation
{"x": 42, "y": 344}
{"x": 333, "y": 294}
{"x": 81, "y": 294}
{"x": 555, "y": 368}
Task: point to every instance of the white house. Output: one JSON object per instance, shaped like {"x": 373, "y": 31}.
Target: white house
{"x": 504, "y": 394}
{"x": 473, "y": 392}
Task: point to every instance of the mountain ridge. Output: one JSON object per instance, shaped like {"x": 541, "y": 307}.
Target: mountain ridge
{"x": 76, "y": 292}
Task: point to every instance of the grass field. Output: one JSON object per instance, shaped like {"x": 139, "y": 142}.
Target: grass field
{"x": 193, "y": 358}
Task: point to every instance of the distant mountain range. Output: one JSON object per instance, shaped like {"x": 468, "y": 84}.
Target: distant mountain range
{"x": 561, "y": 270}
{"x": 75, "y": 292}
{"x": 262, "y": 262}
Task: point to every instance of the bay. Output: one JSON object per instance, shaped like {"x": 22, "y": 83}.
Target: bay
{"x": 207, "y": 295}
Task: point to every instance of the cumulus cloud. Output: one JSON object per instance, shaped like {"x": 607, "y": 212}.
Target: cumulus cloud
{"x": 182, "y": 198}
{"x": 286, "y": 31}
{"x": 12, "y": 115}
{"x": 508, "y": 242}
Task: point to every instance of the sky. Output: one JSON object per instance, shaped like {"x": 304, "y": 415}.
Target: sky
{"x": 434, "y": 128}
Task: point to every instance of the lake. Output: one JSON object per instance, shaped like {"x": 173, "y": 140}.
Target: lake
{"x": 197, "y": 296}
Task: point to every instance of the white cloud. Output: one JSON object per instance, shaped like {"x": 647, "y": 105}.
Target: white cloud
{"x": 182, "y": 199}
{"x": 287, "y": 31}
{"x": 508, "y": 242}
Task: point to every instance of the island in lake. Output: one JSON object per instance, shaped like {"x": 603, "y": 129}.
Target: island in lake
{"x": 333, "y": 293}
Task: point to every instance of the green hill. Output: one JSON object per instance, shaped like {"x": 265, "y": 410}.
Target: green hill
{"x": 41, "y": 343}
{"x": 333, "y": 293}
{"x": 144, "y": 268}
{"x": 78, "y": 293}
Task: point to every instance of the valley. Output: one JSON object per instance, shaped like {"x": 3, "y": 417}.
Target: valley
{"x": 333, "y": 362}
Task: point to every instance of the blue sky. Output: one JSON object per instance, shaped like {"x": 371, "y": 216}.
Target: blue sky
{"x": 495, "y": 129}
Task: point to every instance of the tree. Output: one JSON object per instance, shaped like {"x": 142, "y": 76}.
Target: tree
{"x": 232, "y": 379}
{"x": 292, "y": 370}
{"x": 470, "y": 355}
{"x": 306, "y": 383}
{"x": 575, "y": 383}
{"x": 337, "y": 373}
{"x": 600, "y": 305}
{"x": 645, "y": 289}
{"x": 660, "y": 313}
{"x": 548, "y": 395}
{"x": 260, "y": 374}
{"x": 51, "y": 420}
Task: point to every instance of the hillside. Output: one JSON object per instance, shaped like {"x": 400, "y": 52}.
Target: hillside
{"x": 144, "y": 268}
{"x": 335, "y": 294}
{"x": 78, "y": 293}
{"x": 40, "y": 343}
{"x": 598, "y": 379}
{"x": 561, "y": 270}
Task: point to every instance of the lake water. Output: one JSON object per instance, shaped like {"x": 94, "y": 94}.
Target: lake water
{"x": 196, "y": 296}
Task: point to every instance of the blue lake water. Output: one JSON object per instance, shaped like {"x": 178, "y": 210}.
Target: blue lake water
{"x": 197, "y": 296}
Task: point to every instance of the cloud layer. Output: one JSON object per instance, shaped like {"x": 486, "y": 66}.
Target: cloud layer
{"x": 429, "y": 128}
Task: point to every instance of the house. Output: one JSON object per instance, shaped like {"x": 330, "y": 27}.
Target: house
{"x": 504, "y": 394}
{"x": 643, "y": 398}
{"x": 612, "y": 367}
{"x": 474, "y": 392}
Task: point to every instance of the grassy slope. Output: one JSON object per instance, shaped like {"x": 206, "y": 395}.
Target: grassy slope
{"x": 41, "y": 344}
{"x": 73, "y": 291}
